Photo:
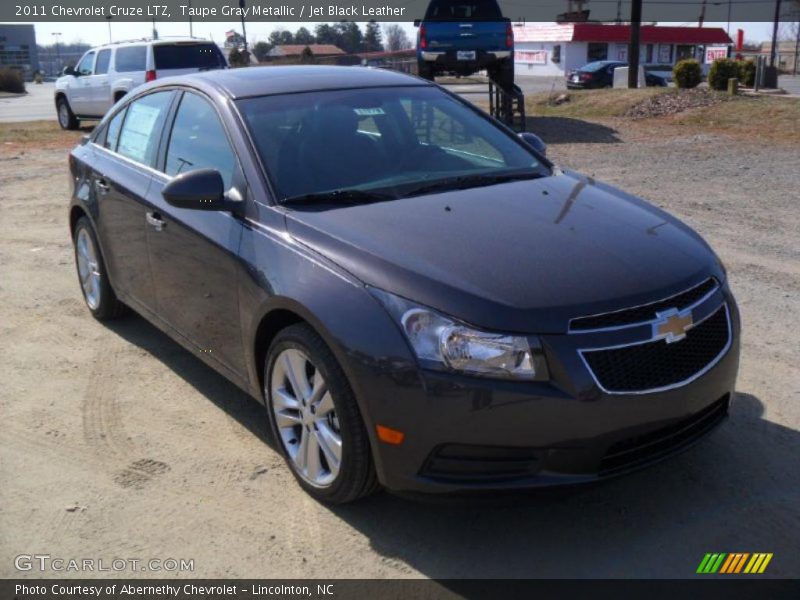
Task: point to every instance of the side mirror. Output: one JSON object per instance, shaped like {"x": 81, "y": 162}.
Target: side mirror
{"x": 534, "y": 141}
{"x": 417, "y": 22}
{"x": 69, "y": 71}
{"x": 202, "y": 189}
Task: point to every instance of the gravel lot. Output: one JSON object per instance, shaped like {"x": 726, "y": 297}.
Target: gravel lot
{"x": 118, "y": 443}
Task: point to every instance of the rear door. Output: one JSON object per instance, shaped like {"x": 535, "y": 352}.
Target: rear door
{"x": 194, "y": 253}
{"x": 121, "y": 179}
{"x": 180, "y": 58}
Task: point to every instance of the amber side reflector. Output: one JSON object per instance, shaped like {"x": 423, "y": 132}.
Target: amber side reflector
{"x": 389, "y": 435}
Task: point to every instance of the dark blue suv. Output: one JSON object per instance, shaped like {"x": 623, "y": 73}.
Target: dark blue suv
{"x": 463, "y": 37}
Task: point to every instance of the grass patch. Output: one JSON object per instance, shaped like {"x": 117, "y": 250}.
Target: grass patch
{"x": 596, "y": 104}
{"x": 765, "y": 118}
{"x": 38, "y": 134}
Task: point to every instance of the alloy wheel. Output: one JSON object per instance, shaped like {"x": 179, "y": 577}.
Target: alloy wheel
{"x": 306, "y": 418}
{"x": 63, "y": 115}
{"x": 88, "y": 268}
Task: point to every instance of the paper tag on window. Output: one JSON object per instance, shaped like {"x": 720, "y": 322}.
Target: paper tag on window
{"x": 369, "y": 112}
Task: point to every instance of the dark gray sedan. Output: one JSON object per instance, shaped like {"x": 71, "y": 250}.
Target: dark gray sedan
{"x": 419, "y": 297}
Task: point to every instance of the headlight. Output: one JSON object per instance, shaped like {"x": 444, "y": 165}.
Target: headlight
{"x": 441, "y": 342}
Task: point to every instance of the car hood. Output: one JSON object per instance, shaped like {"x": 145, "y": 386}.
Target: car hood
{"x": 522, "y": 256}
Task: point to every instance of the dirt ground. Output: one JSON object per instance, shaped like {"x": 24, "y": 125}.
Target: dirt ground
{"x": 117, "y": 443}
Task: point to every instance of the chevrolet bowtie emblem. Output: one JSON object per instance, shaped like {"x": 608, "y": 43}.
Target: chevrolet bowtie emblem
{"x": 671, "y": 325}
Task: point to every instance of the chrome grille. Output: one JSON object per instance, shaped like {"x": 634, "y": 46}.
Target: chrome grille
{"x": 657, "y": 365}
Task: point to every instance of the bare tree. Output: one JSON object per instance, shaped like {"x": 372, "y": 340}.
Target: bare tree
{"x": 396, "y": 38}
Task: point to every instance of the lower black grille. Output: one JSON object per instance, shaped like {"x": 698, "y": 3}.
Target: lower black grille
{"x": 644, "y": 448}
{"x": 657, "y": 364}
{"x": 461, "y": 462}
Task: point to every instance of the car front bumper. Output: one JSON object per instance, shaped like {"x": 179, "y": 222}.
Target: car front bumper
{"x": 466, "y": 433}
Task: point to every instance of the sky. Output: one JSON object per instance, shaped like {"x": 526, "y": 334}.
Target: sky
{"x": 97, "y": 33}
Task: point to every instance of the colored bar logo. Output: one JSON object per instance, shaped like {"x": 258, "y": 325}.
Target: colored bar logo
{"x": 733, "y": 563}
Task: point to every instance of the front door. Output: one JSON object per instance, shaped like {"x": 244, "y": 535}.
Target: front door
{"x": 122, "y": 179}
{"x": 193, "y": 253}
{"x": 80, "y": 88}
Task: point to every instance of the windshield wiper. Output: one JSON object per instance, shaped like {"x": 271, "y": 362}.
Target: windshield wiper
{"x": 463, "y": 182}
{"x": 343, "y": 196}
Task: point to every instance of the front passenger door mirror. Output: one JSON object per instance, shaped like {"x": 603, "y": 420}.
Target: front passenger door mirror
{"x": 534, "y": 141}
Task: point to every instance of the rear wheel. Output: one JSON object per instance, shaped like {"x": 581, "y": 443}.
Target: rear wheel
{"x": 97, "y": 291}
{"x": 503, "y": 74}
{"x": 66, "y": 118}
{"x": 315, "y": 418}
{"x": 426, "y": 70}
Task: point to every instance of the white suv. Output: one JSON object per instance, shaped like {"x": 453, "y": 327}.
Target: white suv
{"x": 107, "y": 73}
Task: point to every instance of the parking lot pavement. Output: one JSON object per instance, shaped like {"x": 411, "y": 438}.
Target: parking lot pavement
{"x": 36, "y": 105}
{"x": 117, "y": 443}
{"x": 791, "y": 83}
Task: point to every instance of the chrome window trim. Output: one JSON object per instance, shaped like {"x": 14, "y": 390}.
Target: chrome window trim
{"x": 672, "y": 386}
{"x": 650, "y": 322}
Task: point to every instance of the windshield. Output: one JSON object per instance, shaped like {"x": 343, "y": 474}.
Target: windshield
{"x": 390, "y": 140}
{"x": 188, "y": 56}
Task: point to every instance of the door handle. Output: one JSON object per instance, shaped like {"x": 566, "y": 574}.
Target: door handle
{"x": 102, "y": 186}
{"x": 154, "y": 219}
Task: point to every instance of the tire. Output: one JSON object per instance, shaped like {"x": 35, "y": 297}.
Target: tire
{"x": 336, "y": 413}
{"x": 425, "y": 70}
{"x": 503, "y": 74}
{"x": 66, "y": 118}
{"x": 97, "y": 293}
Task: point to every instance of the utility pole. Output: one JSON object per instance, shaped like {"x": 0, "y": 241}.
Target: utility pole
{"x": 244, "y": 31}
{"x": 633, "y": 44}
{"x": 773, "y": 53}
{"x": 57, "y": 35}
{"x": 108, "y": 18}
{"x": 191, "y": 34}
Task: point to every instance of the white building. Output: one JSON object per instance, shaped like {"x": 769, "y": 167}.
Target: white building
{"x": 557, "y": 49}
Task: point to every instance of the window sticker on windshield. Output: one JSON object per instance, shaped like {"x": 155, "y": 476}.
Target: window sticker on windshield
{"x": 369, "y": 112}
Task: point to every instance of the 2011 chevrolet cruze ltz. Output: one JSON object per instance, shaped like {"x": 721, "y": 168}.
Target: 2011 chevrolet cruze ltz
{"x": 421, "y": 299}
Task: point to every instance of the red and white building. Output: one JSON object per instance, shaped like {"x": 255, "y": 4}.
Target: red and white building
{"x": 557, "y": 49}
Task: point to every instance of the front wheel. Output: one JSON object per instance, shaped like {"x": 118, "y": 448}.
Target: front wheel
{"x": 315, "y": 418}
{"x": 66, "y": 118}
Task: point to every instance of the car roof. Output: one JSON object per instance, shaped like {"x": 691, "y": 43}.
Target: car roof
{"x": 177, "y": 40}
{"x": 265, "y": 81}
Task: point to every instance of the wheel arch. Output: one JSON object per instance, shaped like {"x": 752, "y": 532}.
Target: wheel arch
{"x": 278, "y": 313}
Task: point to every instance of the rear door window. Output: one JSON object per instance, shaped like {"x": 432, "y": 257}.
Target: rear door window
{"x": 132, "y": 58}
{"x": 463, "y": 10}
{"x": 103, "y": 58}
{"x": 187, "y": 56}
{"x": 142, "y": 128}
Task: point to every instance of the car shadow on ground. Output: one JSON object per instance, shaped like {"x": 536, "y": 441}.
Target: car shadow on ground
{"x": 227, "y": 396}
{"x": 563, "y": 130}
{"x": 735, "y": 491}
